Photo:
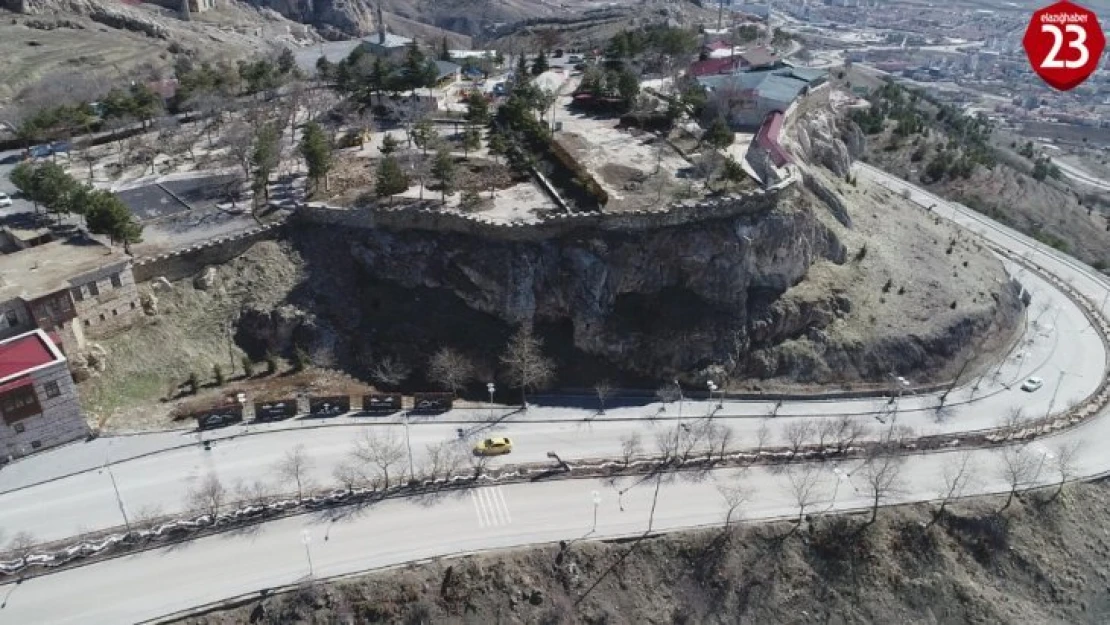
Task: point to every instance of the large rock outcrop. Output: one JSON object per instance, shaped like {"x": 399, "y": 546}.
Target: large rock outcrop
{"x": 661, "y": 302}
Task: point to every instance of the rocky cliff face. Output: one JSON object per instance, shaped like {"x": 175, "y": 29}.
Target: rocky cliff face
{"x": 824, "y": 139}
{"x": 336, "y": 18}
{"x": 670, "y": 301}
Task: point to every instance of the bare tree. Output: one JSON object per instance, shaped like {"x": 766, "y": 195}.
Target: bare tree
{"x": 667, "y": 444}
{"x": 379, "y": 451}
{"x": 294, "y": 467}
{"x": 798, "y": 434}
{"x": 957, "y": 476}
{"x": 348, "y": 474}
{"x": 1020, "y": 469}
{"x": 803, "y": 480}
{"x": 442, "y": 461}
{"x": 147, "y": 516}
{"x": 207, "y": 497}
{"x": 21, "y": 545}
{"x": 390, "y": 371}
{"x": 1012, "y": 422}
{"x": 87, "y": 154}
{"x": 1065, "y": 462}
{"x": 254, "y": 493}
{"x": 528, "y": 368}
{"x": 667, "y": 393}
{"x": 762, "y": 435}
{"x": 883, "y": 474}
{"x": 238, "y": 139}
{"x": 604, "y": 391}
{"x": 719, "y": 438}
{"x": 631, "y": 447}
{"x": 735, "y": 494}
{"x": 846, "y": 431}
{"x": 451, "y": 369}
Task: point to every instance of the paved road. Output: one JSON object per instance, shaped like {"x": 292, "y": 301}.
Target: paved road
{"x": 158, "y": 582}
{"x": 161, "y": 481}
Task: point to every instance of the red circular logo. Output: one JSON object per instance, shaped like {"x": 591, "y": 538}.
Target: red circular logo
{"x": 1064, "y": 43}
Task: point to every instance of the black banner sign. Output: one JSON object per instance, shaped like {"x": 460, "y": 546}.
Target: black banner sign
{"x": 219, "y": 417}
{"x": 432, "y": 402}
{"x": 329, "y": 406}
{"x": 381, "y": 403}
{"x": 274, "y": 410}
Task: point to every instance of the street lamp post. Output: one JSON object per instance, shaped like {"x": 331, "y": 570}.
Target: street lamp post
{"x": 408, "y": 444}
{"x": 306, "y": 538}
{"x": 712, "y": 386}
{"x": 491, "y": 388}
{"x": 597, "y": 501}
{"x": 679, "y": 387}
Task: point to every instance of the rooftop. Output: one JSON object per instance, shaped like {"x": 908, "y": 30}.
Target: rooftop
{"x": 21, "y": 354}
{"x": 782, "y": 84}
{"x": 391, "y": 40}
{"x": 51, "y": 267}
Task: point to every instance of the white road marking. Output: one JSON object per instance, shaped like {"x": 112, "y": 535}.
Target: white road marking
{"x": 491, "y": 507}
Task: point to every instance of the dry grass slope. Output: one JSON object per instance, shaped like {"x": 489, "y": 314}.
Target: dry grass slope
{"x": 1037, "y": 562}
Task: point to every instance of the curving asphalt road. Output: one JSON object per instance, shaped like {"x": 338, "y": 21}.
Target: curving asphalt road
{"x": 1057, "y": 339}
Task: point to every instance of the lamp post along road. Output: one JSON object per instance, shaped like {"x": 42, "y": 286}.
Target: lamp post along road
{"x": 597, "y": 501}
{"x": 712, "y": 386}
{"x": 408, "y": 444}
{"x": 491, "y": 388}
{"x": 307, "y": 538}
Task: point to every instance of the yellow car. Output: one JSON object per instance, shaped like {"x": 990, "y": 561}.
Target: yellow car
{"x": 493, "y": 447}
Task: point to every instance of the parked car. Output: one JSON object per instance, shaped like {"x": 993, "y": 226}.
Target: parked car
{"x": 1032, "y": 384}
{"x": 5, "y": 201}
{"x": 493, "y": 447}
{"x": 574, "y": 58}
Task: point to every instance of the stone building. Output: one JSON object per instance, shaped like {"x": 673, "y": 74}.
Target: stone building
{"x": 73, "y": 288}
{"x": 38, "y": 400}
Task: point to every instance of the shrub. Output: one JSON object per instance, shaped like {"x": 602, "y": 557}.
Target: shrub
{"x": 218, "y": 375}
{"x": 193, "y": 382}
{"x": 862, "y": 253}
{"x": 248, "y": 366}
{"x": 271, "y": 364}
{"x": 888, "y": 285}
{"x": 300, "y": 359}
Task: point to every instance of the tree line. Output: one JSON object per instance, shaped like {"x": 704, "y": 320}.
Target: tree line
{"x": 48, "y": 185}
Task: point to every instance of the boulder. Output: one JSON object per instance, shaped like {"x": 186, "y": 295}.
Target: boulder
{"x": 205, "y": 279}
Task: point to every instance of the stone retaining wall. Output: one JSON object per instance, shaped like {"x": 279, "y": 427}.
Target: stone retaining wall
{"x": 409, "y": 217}
{"x": 189, "y": 261}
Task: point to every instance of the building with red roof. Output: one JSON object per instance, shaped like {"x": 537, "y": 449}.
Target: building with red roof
{"x": 39, "y": 408}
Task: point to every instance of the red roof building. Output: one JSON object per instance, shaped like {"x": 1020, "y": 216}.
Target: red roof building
{"x": 768, "y": 139}
{"x": 712, "y": 67}
{"x": 24, "y": 353}
{"x": 39, "y": 407}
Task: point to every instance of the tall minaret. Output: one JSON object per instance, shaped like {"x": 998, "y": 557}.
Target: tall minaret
{"x": 381, "y": 25}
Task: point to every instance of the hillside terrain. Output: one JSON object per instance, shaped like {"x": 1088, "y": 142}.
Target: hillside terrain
{"x": 958, "y": 159}
{"x": 1036, "y": 562}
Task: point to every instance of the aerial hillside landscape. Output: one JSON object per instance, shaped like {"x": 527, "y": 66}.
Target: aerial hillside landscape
{"x": 549, "y": 312}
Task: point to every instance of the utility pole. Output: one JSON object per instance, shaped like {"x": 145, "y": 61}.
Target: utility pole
{"x": 119, "y": 499}
{"x": 1052, "y": 401}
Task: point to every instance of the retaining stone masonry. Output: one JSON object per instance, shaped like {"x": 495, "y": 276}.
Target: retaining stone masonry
{"x": 413, "y": 217}
{"x": 188, "y": 261}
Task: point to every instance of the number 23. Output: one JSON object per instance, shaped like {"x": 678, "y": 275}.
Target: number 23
{"x": 1079, "y": 43}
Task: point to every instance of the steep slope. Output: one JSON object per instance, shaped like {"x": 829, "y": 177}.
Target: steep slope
{"x": 1037, "y": 562}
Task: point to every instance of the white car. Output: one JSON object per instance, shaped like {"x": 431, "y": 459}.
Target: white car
{"x": 5, "y": 200}
{"x": 1032, "y": 384}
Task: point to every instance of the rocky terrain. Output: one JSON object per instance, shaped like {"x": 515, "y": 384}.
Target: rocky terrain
{"x": 1036, "y": 562}
{"x": 64, "y": 45}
